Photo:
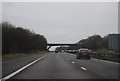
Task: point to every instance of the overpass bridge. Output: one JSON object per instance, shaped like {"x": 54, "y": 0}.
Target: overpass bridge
{"x": 51, "y": 44}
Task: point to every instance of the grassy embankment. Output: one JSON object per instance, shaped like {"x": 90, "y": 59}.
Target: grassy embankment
{"x": 104, "y": 50}
{"x": 113, "y": 58}
{"x": 19, "y": 55}
{"x": 0, "y": 58}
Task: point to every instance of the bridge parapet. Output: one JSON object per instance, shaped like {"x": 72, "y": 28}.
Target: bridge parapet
{"x": 50, "y": 44}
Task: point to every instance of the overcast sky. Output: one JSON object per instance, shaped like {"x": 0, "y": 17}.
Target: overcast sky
{"x": 66, "y": 22}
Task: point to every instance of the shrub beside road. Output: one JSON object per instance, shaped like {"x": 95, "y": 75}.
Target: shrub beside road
{"x": 19, "y": 55}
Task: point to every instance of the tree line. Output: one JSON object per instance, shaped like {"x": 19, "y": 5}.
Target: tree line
{"x": 17, "y": 39}
{"x": 93, "y": 42}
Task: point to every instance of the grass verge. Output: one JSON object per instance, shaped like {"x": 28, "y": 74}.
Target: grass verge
{"x": 19, "y": 55}
{"x": 104, "y": 50}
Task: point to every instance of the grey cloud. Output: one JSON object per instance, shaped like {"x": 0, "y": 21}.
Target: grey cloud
{"x": 65, "y": 22}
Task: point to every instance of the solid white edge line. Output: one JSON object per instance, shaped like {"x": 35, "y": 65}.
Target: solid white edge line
{"x": 104, "y": 61}
{"x": 83, "y": 68}
{"x": 19, "y": 70}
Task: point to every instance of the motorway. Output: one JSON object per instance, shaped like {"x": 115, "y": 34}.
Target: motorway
{"x": 66, "y": 66}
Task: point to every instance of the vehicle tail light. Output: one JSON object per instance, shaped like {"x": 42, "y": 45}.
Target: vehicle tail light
{"x": 90, "y": 51}
{"x": 80, "y": 51}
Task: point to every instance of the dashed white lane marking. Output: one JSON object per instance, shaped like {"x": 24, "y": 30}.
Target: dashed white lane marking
{"x": 19, "y": 70}
{"x": 83, "y": 68}
{"x": 66, "y": 58}
{"x": 73, "y": 62}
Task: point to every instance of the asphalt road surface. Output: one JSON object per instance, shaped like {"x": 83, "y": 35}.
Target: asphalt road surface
{"x": 66, "y": 66}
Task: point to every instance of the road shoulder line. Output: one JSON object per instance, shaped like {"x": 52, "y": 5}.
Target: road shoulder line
{"x": 19, "y": 70}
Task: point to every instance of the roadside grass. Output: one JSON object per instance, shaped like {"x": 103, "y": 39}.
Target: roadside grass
{"x": 104, "y": 50}
{"x": 0, "y": 58}
{"x": 19, "y": 55}
{"x": 106, "y": 54}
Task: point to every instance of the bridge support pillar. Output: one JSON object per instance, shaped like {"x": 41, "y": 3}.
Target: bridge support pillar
{"x": 49, "y": 47}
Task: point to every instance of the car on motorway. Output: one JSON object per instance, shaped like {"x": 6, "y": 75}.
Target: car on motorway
{"x": 84, "y": 53}
{"x": 56, "y": 51}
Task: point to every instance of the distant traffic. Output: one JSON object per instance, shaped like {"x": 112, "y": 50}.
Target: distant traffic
{"x": 81, "y": 53}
